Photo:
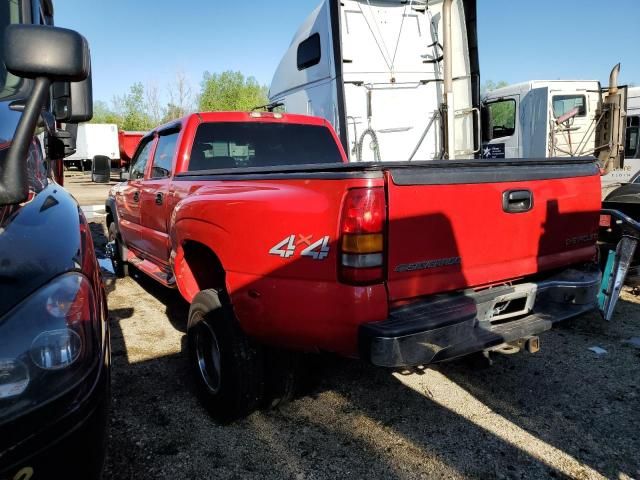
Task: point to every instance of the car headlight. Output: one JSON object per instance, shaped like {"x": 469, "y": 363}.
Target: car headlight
{"x": 49, "y": 343}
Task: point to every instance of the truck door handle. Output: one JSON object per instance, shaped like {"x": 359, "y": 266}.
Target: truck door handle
{"x": 159, "y": 198}
{"x": 136, "y": 196}
{"x": 517, "y": 201}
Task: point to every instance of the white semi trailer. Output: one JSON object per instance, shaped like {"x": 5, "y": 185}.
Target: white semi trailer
{"x": 398, "y": 79}
{"x": 94, "y": 139}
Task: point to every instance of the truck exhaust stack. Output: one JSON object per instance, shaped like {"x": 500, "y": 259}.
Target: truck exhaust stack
{"x": 448, "y": 104}
{"x": 613, "y": 80}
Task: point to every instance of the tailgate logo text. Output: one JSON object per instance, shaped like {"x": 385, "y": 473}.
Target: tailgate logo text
{"x": 318, "y": 250}
{"x": 580, "y": 240}
{"x": 429, "y": 264}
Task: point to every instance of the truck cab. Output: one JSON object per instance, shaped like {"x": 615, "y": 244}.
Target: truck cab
{"x": 54, "y": 335}
{"x": 395, "y": 79}
{"x": 558, "y": 118}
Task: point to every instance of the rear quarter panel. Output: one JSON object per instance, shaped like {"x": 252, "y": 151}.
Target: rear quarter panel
{"x": 282, "y": 298}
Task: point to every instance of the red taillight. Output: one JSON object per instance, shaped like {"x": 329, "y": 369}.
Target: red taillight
{"x": 364, "y": 211}
{"x": 605, "y": 221}
{"x": 362, "y": 236}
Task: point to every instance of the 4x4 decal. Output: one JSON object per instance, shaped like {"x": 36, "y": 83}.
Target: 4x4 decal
{"x": 318, "y": 250}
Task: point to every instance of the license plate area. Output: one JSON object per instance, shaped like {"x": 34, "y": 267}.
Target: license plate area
{"x": 499, "y": 307}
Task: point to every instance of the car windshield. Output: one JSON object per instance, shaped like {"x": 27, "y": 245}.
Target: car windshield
{"x": 10, "y": 12}
{"x": 255, "y": 144}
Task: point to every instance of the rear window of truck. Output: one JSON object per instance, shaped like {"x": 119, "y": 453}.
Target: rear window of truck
{"x": 254, "y": 144}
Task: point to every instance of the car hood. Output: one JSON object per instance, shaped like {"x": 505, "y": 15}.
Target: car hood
{"x": 39, "y": 240}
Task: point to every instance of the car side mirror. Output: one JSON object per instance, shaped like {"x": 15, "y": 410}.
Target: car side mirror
{"x": 38, "y": 51}
{"x": 44, "y": 54}
{"x": 73, "y": 101}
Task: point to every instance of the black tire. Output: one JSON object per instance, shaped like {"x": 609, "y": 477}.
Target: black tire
{"x": 120, "y": 266}
{"x": 283, "y": 371}
{"x": 101, "y": 169}
{"x": 97, "y": 178}
{"x": 227, "y": 366}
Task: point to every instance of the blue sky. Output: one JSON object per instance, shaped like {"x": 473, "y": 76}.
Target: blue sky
{"x": 519, "y": 40}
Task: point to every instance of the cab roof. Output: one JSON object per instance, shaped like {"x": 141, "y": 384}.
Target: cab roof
{"x": 264, "y": 117}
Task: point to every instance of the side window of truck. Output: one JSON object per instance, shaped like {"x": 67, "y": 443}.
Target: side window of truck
{"x": 139, "y": 164}
{"x": 563, "y": 104}
{"x": 309, "y": 52}
{"x": 163, "y": 158}
{"x": 631, "y": 147}
{"x": 501, "y": 119}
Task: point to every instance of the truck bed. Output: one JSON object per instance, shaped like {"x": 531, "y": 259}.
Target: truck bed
{"x": 447, "y": 228}
{"x": 527, "y": 169}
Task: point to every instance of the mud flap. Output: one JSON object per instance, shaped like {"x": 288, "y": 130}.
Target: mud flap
{"x": 615, "y": 273}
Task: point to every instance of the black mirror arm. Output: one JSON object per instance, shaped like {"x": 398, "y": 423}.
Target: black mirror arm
{"x": 14, "y": 186}
{"x": 47, "y": 120}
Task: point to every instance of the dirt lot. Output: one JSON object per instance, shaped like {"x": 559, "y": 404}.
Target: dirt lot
{"x": 565, "y": 412}
{"x": 87, "y": 193}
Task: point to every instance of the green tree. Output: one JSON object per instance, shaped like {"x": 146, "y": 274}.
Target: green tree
{"x": 230, "y": 91}
{"x": 181, "y": 101}
{"x": 172, "y": 112}
{"x": 490, "y": 86}
{"x": 103, "y": 114}
{"x": 133, "y": 109}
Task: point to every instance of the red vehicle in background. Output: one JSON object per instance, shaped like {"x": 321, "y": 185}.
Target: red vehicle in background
{"x": 280, "y": 245}
{"x": 128, "y": 142}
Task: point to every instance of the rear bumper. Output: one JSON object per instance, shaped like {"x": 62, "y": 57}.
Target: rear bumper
{"x": 449, "y": 326}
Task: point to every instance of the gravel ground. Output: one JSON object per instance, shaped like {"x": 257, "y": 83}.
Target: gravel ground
{"x": 86, "y": 192}
{"x": 564, "y": 412}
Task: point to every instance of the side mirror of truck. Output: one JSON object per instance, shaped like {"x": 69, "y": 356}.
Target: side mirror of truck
{"x": 72, "y": 104}
{"x": 73, "y": 101}
{"x": 44, "y": 54}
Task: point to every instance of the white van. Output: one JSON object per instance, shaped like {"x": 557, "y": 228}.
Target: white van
{"x": 396, "y": 79}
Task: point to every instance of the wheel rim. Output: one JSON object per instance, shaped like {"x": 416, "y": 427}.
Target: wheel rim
{"x": 208, "y": 356}
{"x": 115, "y": 249}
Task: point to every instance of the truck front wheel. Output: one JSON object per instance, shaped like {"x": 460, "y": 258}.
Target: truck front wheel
{"x": 226, "y": 364}
{"x": 120, "y": 266}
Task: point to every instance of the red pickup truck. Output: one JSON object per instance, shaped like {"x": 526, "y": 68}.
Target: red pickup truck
{"x": 276, "y": 241}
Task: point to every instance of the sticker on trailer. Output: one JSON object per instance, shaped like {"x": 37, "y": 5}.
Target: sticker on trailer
{"x": 304, "y": 244}
{"x": 493, "y": 150}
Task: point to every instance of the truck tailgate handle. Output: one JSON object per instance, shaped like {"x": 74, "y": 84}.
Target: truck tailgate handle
{"x": 517, "y": 201}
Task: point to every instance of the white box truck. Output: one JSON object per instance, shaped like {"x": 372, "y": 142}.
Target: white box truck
{"x": 94, "y": 139}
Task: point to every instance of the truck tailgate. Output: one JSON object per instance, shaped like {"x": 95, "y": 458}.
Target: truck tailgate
{"x": 454, "y": 225}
